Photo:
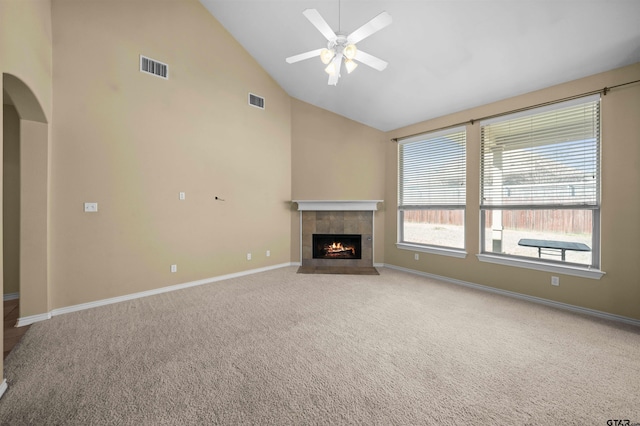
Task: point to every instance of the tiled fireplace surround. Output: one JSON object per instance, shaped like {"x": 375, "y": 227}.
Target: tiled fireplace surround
{"x": 337, "y": 217}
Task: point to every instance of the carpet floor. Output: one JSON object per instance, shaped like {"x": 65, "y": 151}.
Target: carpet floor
{"x": 280, "y": 348}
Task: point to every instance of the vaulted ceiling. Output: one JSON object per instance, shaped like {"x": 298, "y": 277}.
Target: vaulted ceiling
{"x": 444, "y": 56}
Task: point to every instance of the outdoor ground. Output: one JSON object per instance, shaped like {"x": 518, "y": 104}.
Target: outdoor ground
{"x": 452, "y": 236}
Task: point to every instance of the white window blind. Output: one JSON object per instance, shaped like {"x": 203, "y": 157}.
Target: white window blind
{"x": 543, "y": 158}
{"x": 432, "y": 170}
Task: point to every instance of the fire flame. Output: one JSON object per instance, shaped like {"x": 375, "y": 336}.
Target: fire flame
{"x": 339, "y": 248}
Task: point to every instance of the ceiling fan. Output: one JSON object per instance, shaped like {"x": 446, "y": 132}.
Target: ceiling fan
{"x": 343, "y": 47}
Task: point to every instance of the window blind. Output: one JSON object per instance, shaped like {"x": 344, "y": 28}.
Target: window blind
{"x": 432, "y": 170}
{"x": 544, "y": 158}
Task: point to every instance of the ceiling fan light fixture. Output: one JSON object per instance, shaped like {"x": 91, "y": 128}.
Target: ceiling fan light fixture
{"x": 327, "y": 55}
{"x": 350, "y": 65}
{"x": 331, "y": 68}
{"x": 350, "y": 51}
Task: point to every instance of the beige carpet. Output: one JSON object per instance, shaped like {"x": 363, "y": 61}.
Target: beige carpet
{"x": 281, "y": 348}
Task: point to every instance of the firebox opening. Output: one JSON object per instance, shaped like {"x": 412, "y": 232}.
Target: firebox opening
{"x": 334, "y": 246}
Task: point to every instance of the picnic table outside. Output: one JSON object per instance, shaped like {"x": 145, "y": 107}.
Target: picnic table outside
{"x": 552, "y": 247}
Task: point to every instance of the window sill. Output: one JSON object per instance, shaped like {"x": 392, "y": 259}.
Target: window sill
{"x": 577, "y": 271}
{"x": 459, "y": 253}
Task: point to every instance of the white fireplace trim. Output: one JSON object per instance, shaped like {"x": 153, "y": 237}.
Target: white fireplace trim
{"x": 337, "y": 205}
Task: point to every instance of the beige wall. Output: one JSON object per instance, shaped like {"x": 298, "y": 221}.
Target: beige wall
{"x": 26, "y": 52}
{"x": 34, "y": 179}
{"x": 131, "y": 142}
{"x": 11, "y": 200}
{"x": 618, "y": 292}
{"x": 334, "y": 158}
{"x": 25, "y": 45}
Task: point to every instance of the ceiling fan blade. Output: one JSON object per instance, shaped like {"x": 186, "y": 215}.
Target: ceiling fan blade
{"x": 337, "y": 62}
{"x": 374, "y": 25}
{"x": 303, "y": 56}
{"x": 370, "y": 60}
{"x": 318, "y": 21}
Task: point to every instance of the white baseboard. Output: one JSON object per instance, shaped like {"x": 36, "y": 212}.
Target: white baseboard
{"x": 10, "y": 296}
{"x": 534, "y": 299}
{"x": 22, "y": 321}
{"x": 109, "y": 301}
{"x": 3, "y": 387}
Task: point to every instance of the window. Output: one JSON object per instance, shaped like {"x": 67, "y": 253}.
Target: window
{"x": 540, "y": 184}
{"x": 432, "y": 191}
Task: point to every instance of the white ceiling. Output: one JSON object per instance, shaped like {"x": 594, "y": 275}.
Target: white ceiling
{"x": 444, "y": 55}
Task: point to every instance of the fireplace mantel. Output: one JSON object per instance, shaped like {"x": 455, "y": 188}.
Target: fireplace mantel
{"x": 337, "y": 205}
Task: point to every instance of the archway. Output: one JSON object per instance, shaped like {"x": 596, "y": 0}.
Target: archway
{"x": 33, "y": 209}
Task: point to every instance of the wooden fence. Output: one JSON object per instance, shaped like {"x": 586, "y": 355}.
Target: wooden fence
{"x": 444, "y": 217}
{"x": 563, "y": 221}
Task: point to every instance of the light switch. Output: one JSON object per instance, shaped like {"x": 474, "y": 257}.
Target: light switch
{"x": 182, "y": 196}
{"x": 90, "y": 207}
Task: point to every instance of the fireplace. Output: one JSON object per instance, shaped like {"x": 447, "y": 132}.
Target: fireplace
{"x": 347, "y": 229}
{"x": 337, "y": 246}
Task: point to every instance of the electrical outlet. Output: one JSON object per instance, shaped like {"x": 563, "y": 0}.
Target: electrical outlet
{"x": 248, "y": 256}
{"x": 555, "y": 281}
{"x": 268, "y": 253}
{"x": 182, "y": 196}
{"x": 174, "y": 268}
{"x": 416, "y": 256}
{"x": 90, "y": 207}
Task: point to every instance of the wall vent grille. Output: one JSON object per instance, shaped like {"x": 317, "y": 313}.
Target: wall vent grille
{"x": 256, "y": 101}
{"x": 153, "y": 67}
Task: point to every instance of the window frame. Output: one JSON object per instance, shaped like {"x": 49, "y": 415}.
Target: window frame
{"x": 549, "y": 265}
{"x": 458, "y": 252}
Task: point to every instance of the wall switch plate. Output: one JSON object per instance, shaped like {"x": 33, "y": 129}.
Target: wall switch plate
{"x": 182, "y": 195}
{"x": 555, "y": 281}
{"x": 90, "y": 207}
{"x": 268, "y": 253}
{"x": 174, "y": 268}
{"x": 416, "y": 256}
{"x": 248, "y": 256}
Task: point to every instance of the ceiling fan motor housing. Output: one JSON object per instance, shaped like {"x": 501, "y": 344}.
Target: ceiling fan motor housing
{"x": 342, "y": 45}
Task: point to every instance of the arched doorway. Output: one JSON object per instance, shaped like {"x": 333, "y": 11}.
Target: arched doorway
{"x": 33, "y": 199}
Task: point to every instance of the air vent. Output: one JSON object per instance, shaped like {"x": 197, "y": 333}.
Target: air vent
{"x": 151, "y": 66}
{"x": 256, "y": 101}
